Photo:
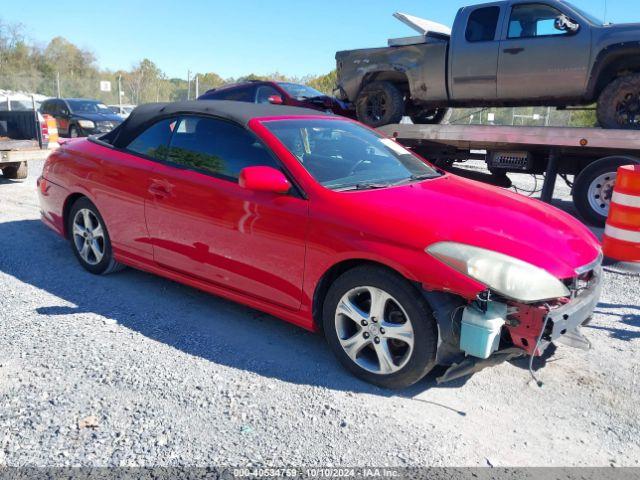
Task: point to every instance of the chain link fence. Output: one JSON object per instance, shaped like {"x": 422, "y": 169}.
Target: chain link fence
{"x": 132, "y": 89}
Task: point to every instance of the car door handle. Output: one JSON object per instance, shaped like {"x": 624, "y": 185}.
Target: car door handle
{"x": 513, "y": 51}
{"x": 160, "y": 189}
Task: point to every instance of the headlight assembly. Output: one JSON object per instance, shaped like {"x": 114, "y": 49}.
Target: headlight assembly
{"x": 88, "y": 124}
{"x": 503, "y": 274}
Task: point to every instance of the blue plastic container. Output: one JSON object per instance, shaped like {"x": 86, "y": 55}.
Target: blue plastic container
{"x": 480, "y": 331}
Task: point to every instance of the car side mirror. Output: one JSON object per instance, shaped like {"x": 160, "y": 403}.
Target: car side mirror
{"x": 565, "y": 24}
{"x": 276, "y": 100}
{"x": 264, "y": 179}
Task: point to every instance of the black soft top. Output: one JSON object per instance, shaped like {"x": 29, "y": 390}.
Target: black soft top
{"x": 239, "y": 112}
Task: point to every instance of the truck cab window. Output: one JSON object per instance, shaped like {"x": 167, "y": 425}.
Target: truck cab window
{"x": 482, "y": 24}
{"x": 534, "y": 20}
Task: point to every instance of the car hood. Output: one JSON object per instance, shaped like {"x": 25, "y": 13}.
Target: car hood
{"x": 452, "y": 208}
{"x": 98, "y": 117}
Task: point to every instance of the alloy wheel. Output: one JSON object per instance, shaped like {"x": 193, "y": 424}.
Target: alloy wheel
{"x": 628, "y": 110}
{"x": 376, "y": 106}
{"x": 374, "y": 330}
{"x": 88, "y": 236}
{"x": 600, "y": 192}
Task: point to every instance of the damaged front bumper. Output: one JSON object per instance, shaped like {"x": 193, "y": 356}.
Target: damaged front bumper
{"x": 561, "y": 323}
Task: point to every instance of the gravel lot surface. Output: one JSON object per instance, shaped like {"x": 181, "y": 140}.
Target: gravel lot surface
{"x": 131, "y": 369}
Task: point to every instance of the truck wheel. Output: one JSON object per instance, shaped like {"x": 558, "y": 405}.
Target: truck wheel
{"x": 380, "y": 103}
{"x": 432, "y": 116}
{"x": 17, "y": 171}
{"x": 619, "y": 104}
{"x": 380, "y": 327}
{"x": 593, "y": 188}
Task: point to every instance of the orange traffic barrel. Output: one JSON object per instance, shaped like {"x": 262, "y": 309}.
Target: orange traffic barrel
{"x": 621, "y": 241}
{"x": 52, "y": 127}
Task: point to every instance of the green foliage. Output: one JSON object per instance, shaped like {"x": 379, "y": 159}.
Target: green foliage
{"x": 41, "y": 69}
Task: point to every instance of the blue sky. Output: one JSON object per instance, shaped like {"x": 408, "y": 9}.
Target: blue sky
{"x": 233, "y": 38}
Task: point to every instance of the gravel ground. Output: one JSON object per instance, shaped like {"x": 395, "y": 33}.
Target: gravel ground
{"x": 134, "y": 370}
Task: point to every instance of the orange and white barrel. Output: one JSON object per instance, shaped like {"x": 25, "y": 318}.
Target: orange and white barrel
{"x": 52, "y": 126}
{"x": 621, "y": 241}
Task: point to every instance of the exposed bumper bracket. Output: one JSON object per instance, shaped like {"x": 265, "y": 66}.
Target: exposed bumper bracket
{"x": 471, "y": 365}
{"x": 574, "y": 339}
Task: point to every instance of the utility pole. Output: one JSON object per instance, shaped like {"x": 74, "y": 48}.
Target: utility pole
{"x": 58, "y": 83}
{"x": 546, "y": 122}
{"x": 188, "y": 84}
{"x": 120, "y": 90}
{"x": 197, "y": 87}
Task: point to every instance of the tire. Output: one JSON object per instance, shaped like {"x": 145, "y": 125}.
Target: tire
{"x": 347, "y": 316}
{"x": 593, "y": 188}
{"x": 432, "y": 116}
{"x": 18, "y": 171}
{"x": 74, "y": 132}
{"x": 82, "y": 213}
{"x": 619, "y": 104}
{"x": 380, "y": 103}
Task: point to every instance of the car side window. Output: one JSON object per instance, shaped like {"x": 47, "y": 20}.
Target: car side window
{"x": 482, "y": 24}
{"x": 264, "y": 92}
{"x": 154, "y": 141}
{"x": 240, "y": 94}
{"x": 534, "y": 20}
{"x": 216, "y": 147}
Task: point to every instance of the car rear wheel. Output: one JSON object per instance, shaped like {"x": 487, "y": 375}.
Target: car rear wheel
{"x": 90, "y": 239}
{"x": 593, "y": 188}
{"x": 380, "y": 103}
{"x": 18, "y": 171}
{"x": 619, "y": 103}
{"x": 432, "y": 116}
{"x": 380, "y": 327}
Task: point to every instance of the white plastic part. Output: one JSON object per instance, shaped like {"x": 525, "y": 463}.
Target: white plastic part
{"x": 423, "y": 26}
{"x": 480, "y": 331}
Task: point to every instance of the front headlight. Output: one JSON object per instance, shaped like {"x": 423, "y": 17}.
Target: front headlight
{"x": 503, "y": 274}
{"x": 88, "y": 124}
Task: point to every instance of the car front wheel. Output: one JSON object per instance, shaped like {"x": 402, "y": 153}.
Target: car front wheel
{"x": 380, "y": 327}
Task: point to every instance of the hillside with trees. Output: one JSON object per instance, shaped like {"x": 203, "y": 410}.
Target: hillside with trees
{"x": 74, "y": 72}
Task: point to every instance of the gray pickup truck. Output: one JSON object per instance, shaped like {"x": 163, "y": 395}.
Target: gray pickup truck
{"x": 509, "y": 53}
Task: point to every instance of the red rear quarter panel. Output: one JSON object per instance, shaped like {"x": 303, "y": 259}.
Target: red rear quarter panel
{"x": 115, "y": 182}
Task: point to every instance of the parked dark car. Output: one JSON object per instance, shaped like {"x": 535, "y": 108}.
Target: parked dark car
{"x": 80, "y": 117}
{"x": 280, "y": 93}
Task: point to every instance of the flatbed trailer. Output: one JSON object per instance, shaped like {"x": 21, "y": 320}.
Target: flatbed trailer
{"x": 24, "y": 137}
{"x": 591, "y": 155}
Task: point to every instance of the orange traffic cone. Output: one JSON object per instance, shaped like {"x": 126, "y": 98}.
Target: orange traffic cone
{"x": 621, "y": 241}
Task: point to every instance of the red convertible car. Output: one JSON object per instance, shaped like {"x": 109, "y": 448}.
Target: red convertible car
{"x": 323, "y": 222}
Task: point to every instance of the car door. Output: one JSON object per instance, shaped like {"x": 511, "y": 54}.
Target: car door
{"x": 63, "y": 117}
{"x": 264, "y": 92}
{"x": 203, "y": 224}
{"x": 122, "y": 188}
{"x": 474, "y": 55}
{"x": 539, "y": 61}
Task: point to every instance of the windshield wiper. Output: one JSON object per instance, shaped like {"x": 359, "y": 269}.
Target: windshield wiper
{"x": 365, "y": 186}
{"x": 423, "y": 176}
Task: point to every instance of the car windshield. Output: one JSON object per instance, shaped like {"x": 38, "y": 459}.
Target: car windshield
{"x": 88, "y": 106}
{"x": 591, "y": 18}
{"x": 300, "y": 91}
{"x": 342, "y": 155}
